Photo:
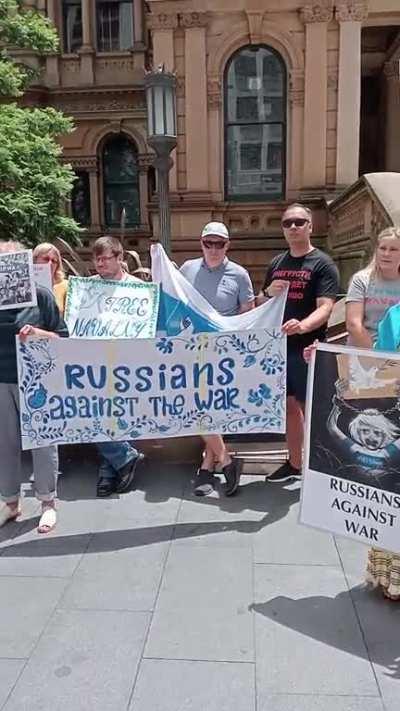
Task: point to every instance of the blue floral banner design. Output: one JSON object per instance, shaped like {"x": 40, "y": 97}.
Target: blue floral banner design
{"x": 104, "y": 308}
{"x": 209, "y": 383}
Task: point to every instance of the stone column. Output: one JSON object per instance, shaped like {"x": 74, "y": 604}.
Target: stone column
{"x": 52, "y": 60}
{"x": 86, "y": 52}
{"x": 196, "y": 119}
{"x": 392, "y": 115}
{"x": 138, "y": 21}
{"x": 95, "y": 214}
{"x": 162, "y": 28}
{"x": 316, "y": 17}
{"x": 349, "y": 14}
{"x": 215, "y": 151}
{"x": 145, "y": 160}
{"x": 295, "y": 161}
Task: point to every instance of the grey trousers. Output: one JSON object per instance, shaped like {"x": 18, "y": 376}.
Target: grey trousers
{"x": 45, "y": 459}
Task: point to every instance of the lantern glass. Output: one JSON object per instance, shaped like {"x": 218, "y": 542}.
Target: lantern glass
{"x": 160, "y": 96}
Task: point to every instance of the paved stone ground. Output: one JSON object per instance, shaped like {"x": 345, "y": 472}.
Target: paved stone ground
{"x": 158, "y": 601}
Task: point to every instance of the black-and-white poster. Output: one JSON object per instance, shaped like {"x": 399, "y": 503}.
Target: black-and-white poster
{"x": 17, "y": 284}
{"x": 352, "y": 451}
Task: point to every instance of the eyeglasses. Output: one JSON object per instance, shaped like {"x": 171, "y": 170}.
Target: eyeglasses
{"x": 101, "y": 258}
{"x": 213, "y": 245}
{"x": 296, "y": 221}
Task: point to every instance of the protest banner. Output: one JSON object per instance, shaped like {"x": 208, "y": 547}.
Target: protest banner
{"x": 184, "y": 311}
{"x": 208, "y": 383}
{"x": 17, "y": 284}
{"x": 352, "y": 451}
{"x": 103, "y": 308}
{"x": 42, "y": 275}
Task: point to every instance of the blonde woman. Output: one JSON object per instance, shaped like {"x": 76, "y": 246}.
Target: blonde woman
{"x": 46, "y": 253}
{"x": 373, "y": 290}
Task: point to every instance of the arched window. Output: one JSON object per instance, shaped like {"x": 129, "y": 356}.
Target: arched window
{"x": 255, "y": 125}
{"x": 80, "y": 198}
{"x": 121, "y": 182}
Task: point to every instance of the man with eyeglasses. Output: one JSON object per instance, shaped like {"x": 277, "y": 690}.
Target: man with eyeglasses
{"x": 313, "y": 281}
{"x": 227, "y": 287}
{"x": 118, "y": 459}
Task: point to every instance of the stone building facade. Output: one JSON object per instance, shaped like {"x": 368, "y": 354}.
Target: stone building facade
{"x": 277, "y": 100}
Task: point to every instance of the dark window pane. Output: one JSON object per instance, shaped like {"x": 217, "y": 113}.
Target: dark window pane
{"x": 114, "y": 26}
{"x": 80, "y": 199}
{"x": 72, "y": 26}
{"x": 121, "y": 182}
{"x": 255, "y": 108}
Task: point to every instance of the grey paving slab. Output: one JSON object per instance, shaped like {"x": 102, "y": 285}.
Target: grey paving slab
{"x": 33, "y": 555}
{"x": 202, "y": 609}
{"x": 296, "y": 702}
{"x": 10, "y": 670}
{"x": 166, "y": 685}
{"x": 26, "y": 605}
{"x": 385, "y": 656}
{"x": 286, "y": 542}
{"x": 121, "y": 570}
{"x": 307, "y": 634}
{"x": 87, "y": 661}
{"x": 353, "y": 556}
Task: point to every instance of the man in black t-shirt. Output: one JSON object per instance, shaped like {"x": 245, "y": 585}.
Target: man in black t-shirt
{"x": 313, "y": 285}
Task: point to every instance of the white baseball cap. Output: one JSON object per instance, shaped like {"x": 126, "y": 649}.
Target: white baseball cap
{"x": 215, "y": 229}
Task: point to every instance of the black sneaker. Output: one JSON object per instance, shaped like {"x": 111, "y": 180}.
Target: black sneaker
{"x": 285, "y": 472}
{"x": 231, "y": 473}
{"x": 127, "y": 473}
{"x": 203, "y": 483}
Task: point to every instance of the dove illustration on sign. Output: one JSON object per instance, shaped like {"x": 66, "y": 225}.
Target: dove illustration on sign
{"x": 366, "y": 378}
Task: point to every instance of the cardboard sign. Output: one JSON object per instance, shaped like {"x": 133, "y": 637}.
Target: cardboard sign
{"x": 352, "y": 451}
{"x": 102, "y": 308}
{"x": 17, "y": 284}
{"x": 79, "y": 391}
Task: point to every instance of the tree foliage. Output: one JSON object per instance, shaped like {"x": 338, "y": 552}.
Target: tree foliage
{"x": 34, "y": 183}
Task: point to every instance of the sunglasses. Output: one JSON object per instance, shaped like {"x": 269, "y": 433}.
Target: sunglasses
{"x": 213, "y": 245}
{"x": 296, "y": 221}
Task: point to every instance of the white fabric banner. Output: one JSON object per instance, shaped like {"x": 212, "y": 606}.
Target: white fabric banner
{"x": 75, "y": 390}
{"x": 184, "y": 311}
{"x": 103, "y": 308}
{"x": 352, "y": 450}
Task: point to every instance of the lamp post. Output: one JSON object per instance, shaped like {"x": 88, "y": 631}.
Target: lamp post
{"x": 161, "y": 136}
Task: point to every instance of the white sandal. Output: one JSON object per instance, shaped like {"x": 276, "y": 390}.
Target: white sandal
{"x": 48, "y": 520}
{"x": 8, "y": 514}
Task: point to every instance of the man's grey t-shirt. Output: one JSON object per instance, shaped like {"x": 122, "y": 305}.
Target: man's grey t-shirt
{"x": 226, "y": 287}
{"x": 377, "y": 294}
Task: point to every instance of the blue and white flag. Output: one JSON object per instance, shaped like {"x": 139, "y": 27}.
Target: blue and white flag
{"x": 183, "y": 310}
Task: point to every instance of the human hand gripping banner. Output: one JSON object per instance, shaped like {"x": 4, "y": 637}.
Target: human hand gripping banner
{"x": 352, "y": 451}
{"x": 103, "y": 308}
{"x": 206, "y": 383}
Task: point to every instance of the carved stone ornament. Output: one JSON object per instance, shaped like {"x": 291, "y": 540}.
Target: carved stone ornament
{"x": 296, "y": 88}
{"x": 321, "y": 11}
{"x": 214, "y": 93}
{"x": 352, "y": 10}
{"x": 255, "y": 21}
{"x": 145, "y": 161}
{"x": 162, "y": 21}
{"x": 88, "y": 163}
{"x": 193, "y": 19}
{"x": 333, "y": 79}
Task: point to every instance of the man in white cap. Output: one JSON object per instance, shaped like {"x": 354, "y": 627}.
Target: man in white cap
{"x": 227, "y": 287}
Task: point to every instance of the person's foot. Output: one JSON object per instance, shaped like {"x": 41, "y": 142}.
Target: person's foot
{"x": 48, "y": 519}
{"x": 231, "y": 473}
{"x": 105, "y": 487}
{"x": 9, "y": 512}
{"x": 126, "y": 474}
{"x": 203, "y": 483}
{"x": 285, "y": 472}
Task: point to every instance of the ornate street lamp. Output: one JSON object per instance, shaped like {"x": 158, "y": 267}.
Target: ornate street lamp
{"x": 161, "y": 136}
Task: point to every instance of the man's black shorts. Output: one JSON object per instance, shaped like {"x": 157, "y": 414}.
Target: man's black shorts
{"x": 296, "y": 376}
